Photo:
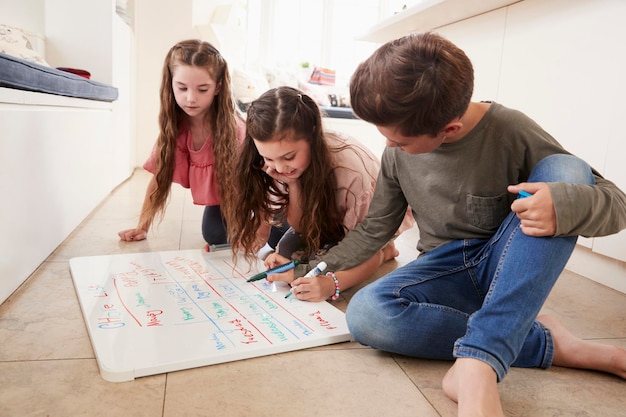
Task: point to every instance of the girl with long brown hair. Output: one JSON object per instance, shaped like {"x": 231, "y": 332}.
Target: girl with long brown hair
{"x": 200, "y": 131}
{"x": 319, "y": 182}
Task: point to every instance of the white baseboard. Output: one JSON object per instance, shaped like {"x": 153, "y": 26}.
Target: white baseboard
{"x": 599, "y": 268}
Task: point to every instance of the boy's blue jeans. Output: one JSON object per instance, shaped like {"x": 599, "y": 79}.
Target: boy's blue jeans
{"x": 475, "y": 298}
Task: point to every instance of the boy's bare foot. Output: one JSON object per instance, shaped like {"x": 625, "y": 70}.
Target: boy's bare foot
{"x": 389, "y": 251}
{"x": 473, "y": 385}
{"x": 573, "y": 352}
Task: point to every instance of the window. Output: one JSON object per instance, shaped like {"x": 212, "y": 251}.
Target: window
{"x": 286, "y": 33}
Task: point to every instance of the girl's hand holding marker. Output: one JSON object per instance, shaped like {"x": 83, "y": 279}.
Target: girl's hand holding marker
{"x": 276, "y": 270}
{"x": 288, "y": 267}
{"x": 312, "y": 273}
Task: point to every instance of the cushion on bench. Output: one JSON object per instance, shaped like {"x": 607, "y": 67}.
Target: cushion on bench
{"x": 25, "y": 75}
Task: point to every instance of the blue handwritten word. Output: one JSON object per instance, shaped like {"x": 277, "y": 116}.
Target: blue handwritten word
{"x": 218, "y": 343}
{"x": 200, "y": 293}
{"x": 112, "y": 318}
{"x": 97, "y": 291}
{"x": 227, "y": 289}
{"x": 305, "y": 330}
{"x": 177, "y": 292}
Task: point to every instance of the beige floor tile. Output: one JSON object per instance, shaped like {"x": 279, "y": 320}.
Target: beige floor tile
{"x": 96, "y": 237}
{"x": 359, "y": 382}
{"x": 427, "y": 376}
{"x": 43, "y": 320}
{"x": 47, "y": 366}
{"x": 191, "y": 211}
{"x": 562, "y": 392}
{"x": 588, "y": 309}
{"x": 191, "y": 234}
{"x": 557, "y": 392}
{"x": 73, "y": 388}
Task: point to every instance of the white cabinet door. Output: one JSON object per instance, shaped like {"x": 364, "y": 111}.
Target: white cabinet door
{"x": 615, "y": 170}
{"x": 571, "y": 84}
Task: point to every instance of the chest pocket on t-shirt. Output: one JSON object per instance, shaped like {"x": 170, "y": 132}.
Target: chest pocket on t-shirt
{"x": 487, "y": 213}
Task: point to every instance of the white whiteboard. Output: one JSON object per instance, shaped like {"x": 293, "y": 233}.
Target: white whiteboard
{"x": 150, "y": 313}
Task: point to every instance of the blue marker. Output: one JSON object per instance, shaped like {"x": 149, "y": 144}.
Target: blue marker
{"x": 312, "y": 273}
{"x": 275, "y": 270}
{"x": 523, "y": 194}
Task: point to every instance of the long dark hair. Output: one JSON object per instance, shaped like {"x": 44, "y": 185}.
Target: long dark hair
{"x": 277, "y": 112}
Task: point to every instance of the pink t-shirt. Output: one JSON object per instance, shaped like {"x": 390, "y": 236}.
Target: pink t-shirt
{"x": 195, "y": 169}
{"x": 356, "y": 170}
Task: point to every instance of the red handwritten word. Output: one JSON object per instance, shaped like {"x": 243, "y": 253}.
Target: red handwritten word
{"x": 151, "y": 274}
{"x": 174, "y": 263}
{"x": 147, "y": 272}
{"x": 246, "y": 333}
{"x": 198, "y": 268}
{"x": 128, "y": 280}
{"x": 154, "y": 317}
{"x": 321, "y": 321}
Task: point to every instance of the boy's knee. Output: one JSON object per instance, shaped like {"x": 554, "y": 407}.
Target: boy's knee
{"x": 562, "y": 168}
{"x": 357, "y": 314}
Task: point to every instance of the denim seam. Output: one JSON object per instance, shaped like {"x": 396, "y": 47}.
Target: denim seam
{"x": 500, "y": 368}
{"x": 503, "y": 255}
{"x": 470, "y": 266}
{"x": 443, "y": 308}
{"x": 398, "y": 289}
{"x": 548, "y": 356}
{"x": 491, "y": 242}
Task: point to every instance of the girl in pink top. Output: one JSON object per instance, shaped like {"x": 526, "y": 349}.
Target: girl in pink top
{"x": 320, "y": 183}
{"x": 200, "y": 131}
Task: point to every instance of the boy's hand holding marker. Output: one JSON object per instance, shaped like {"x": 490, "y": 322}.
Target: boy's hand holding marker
{"x": 536, "y": 214}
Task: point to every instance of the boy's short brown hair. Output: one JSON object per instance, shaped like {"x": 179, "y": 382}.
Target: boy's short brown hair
{"x": 417, "y": 83}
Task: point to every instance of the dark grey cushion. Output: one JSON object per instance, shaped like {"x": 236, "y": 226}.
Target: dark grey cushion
{"x": 25, "y": 75}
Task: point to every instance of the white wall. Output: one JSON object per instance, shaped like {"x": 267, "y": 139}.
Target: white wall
{"x": 159, "y": 24}
{"x": 61, "y": 156}
{"x": 558, "y": 61}
{"x": 81, "y": 42}
{"x": 562, "y": 63}
{"x": 29, "y": 16}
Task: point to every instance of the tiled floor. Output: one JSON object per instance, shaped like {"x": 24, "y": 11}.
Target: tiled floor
{"x": 47, "y": 365}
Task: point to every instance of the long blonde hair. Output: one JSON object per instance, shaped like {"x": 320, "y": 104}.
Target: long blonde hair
{"x": 221, "y": 119}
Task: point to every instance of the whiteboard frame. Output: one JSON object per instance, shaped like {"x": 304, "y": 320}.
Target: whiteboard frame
{"x": 157, "y": 312}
